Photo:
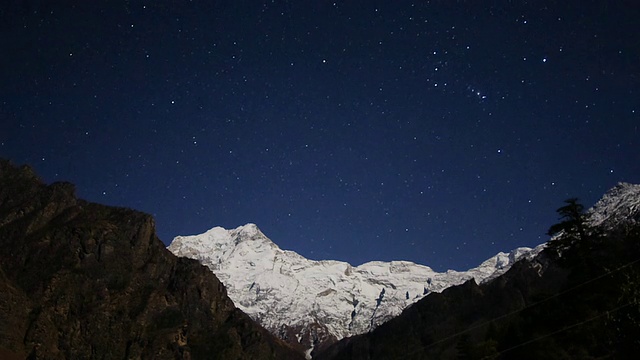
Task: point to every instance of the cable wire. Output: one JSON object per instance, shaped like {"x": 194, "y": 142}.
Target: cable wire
{"x": 561, "y": 330}
{"x": 485, "y": 323}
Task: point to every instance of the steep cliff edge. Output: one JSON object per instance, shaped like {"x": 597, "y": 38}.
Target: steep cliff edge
{"x": 82, "y": 280}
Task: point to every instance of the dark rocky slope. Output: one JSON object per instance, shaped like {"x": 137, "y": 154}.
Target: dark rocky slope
{"x": 580, "y": 303}
{"x": 80, "y": 280}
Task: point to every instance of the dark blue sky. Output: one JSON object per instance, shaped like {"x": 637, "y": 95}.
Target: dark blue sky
{"x": 439, "y": 133}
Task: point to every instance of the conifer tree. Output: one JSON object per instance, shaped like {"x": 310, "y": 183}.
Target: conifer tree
{"x": 572, "y": 227}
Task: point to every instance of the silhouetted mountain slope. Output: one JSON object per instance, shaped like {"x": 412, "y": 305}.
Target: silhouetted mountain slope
{"x": 85, "y": 281}
{"x": 582, "y": 303}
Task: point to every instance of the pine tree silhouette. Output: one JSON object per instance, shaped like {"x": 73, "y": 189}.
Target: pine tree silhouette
{"x": 572, "y": 228}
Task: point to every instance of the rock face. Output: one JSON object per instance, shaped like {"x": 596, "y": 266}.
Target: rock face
{"x": 619, "y": 208}
{"x": 311, "y": 304}
{"x": 81, "y": 281}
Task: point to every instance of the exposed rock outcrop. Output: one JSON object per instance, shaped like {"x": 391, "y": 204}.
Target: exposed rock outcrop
{"x": 80, "y": 280}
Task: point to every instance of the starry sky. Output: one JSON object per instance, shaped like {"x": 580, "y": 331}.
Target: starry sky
{"x": 438, "y": 132}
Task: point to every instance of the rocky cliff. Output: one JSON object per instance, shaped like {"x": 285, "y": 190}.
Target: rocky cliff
{"x": 80, "y": 280}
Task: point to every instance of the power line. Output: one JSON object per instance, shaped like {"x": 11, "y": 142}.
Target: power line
{"x": 564, "y": 329}
{"x": 469, "y": 329}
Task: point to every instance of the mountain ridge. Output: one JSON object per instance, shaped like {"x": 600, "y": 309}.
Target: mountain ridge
{"x": 312, "y": 303}
{"x": 567, "y": 302}
{"x": 355, "y": 309}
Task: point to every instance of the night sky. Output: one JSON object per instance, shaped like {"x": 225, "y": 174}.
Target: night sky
{"x": 437, "y": 132}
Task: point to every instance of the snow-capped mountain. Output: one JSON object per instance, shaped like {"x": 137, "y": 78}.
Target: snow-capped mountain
{"x": 309, "y": 302}
{"x": 620, "y": 206}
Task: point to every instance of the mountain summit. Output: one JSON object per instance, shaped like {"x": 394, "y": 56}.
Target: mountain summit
{"x": 311, "y": 303}
{"x": 619, "y": 206}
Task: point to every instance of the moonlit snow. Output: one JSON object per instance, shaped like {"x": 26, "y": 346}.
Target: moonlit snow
{"x": 278, "y": 287}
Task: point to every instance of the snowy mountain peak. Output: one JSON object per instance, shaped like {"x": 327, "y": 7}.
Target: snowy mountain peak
{"x": 248, "y": 232}
{"x": 218, "y": 244}
{"x": 618, "y": 206}
{"x": 319, "y": 301}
